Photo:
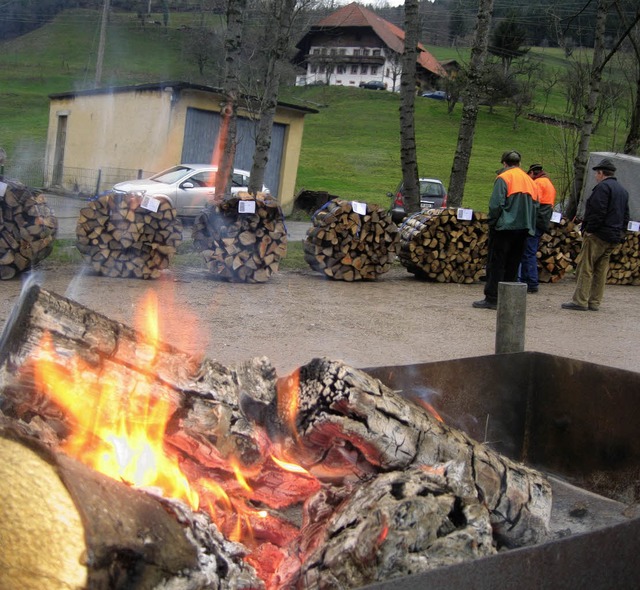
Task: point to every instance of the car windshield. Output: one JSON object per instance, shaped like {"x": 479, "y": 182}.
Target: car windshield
{"x": 428, "y": 188}
{"x": 172, "y": 175}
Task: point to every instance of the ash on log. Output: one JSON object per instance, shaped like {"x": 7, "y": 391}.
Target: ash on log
{"x": 128, "y": 235}
{"x": 100, "y": 533}
{"x": 437, "y": 246}
{"x": 28, "y": 229}
{"x": 243, "y": 238}
{"x": 349, "y": 246}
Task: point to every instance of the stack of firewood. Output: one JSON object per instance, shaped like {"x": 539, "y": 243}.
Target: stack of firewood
{"x": 350, "y": 246}
{"x": 28, "y": 228}
{"x": 557, "y": 251}
{"x": 128, "y": 235}
{"x": 243, "y": 238}
{"x": 438, "y": 246}
{"x": 624, "y": 265}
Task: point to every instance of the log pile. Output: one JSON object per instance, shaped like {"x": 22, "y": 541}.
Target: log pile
{"x": 349, "y": 246}
{"x": 624, "y": 264}
{"x": 28, "y": 229}
{"x": 389, "y": 489}
{"x": 243, "y": 238}
{"x": 437, "y": 246}
{"x": 557, "y": 251}
{"x": 128, "y": 236}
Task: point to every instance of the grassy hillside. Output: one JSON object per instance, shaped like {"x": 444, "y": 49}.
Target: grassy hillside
{"x": 350, "y": 148}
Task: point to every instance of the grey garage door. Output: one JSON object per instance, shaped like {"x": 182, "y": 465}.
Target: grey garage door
{"x": 201, "y": 132}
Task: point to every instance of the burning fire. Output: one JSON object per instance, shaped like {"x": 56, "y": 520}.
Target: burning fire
{"x": 117, "y": 425}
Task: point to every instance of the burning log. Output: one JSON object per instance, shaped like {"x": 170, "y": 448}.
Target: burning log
{"x": 624, "y": 265}
{"x": 28, "y": 229}
{"x": 351, "y": 423}
{"x": 438, "y": 246}
{"x": 557, "y": 251}
{"x": 349, "y": 246}
{"x": 101, "y": 533}
{"x": 243, "y": 238}
{"x": 128, "y": 236}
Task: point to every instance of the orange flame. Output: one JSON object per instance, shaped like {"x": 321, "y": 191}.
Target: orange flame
{"x": 287, "y": 400}
{"x": 427, "y": 406}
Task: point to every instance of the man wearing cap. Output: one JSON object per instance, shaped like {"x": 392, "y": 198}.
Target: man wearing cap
{"x": 606, "y": 217}
{"x": 513, "y": 208}
{"x": 547, "y": 198}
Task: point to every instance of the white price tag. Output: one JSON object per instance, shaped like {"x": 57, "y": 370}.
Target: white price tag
{"x": 634, "y": 226}
{"x": 359, "y": 208}
{"x": 556, "y": 217}
{"x": 3, "y": 188}
{"x": 246, "y": 206}
{"x": 465, "y": 214}
{"x": 150, "y": 204}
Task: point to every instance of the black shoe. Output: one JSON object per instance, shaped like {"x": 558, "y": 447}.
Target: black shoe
{"x": 532, "y": 289}
{"x": 484, "y": 304}
{"x": 574, "y": 306}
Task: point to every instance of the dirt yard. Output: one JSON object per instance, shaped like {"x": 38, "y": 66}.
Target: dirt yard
{"x": 395, "y": 321}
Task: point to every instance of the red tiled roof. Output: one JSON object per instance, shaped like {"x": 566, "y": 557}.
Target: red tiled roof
{"x": 354, "y": 15}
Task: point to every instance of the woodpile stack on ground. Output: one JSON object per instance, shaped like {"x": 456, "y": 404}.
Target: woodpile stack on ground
{"x": 350, "y": 246}
{"x": 128, "y": 235}
{"x": 557, "y": 251}
{"x": 624, "y": 265}
{"x": 28, "y": 229}
{"x": 437, "y": 245}
{"x": 243, "y": 238}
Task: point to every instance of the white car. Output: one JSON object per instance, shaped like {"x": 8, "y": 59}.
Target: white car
{"x": 187, "y": 186}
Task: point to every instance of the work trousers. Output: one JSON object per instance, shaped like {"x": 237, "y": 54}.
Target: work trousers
{"x": 529, "y": 265}
{"x": 503, "y": 260}
{"x": 592, "y": 269}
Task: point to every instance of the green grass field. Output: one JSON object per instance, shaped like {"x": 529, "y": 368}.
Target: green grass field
{"x": 351, "y": 148}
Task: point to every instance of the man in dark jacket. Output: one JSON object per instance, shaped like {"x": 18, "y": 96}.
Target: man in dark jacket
{"x": 513, "y": 209}
{"x": 606, "y": 217}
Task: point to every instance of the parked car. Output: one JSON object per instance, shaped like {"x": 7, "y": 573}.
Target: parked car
{"x": 433, "y": 195}
{"x": 374, "y": 85}
{"x": 435, "y": 94}
{"x": 187, "y": 186}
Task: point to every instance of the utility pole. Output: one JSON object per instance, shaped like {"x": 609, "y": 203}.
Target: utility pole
{"x": 103, "y": 36}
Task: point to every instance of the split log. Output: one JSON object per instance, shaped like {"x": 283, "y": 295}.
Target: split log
{"x": 624, "y": 264}
{"x": 558, "y": 250}
{"x": 348, "y": 246}
{"x": 28, "y": 229}
{"x": 243, "y": 238}
{"x": 437, "y": 246}
{"x": 398, "y": 524}
{"x": 352, "y": 424}
{"x": 128, "y": 235}
{"x": 100, "y": 533}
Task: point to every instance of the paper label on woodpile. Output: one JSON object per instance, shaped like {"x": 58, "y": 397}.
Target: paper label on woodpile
{"x": 150, "y": 203}
{"x": 634, "y": 226}
{"x": 465, "y": 214}
{"x": 359, "y": 208}
{"x": 246, "y": 207}
{"x": 3, "y": 188}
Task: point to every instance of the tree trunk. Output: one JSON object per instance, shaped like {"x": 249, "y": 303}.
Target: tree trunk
{"x": 284, "y": 15}
{"x": 471, "y": 102}
{"x": 408, "y": 157}
{"x": 632, "y": 142}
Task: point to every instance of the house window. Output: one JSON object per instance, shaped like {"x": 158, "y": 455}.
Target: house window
{"x": 354, "y": 69}
{"x": 316, "y": 51}
{"x": 321, "y": 69}
{"x": 364, "y": 69}
{"x": 376, "y": 53}
{"x": 341, "y": 70}
{"x": 374, "y": 70}
{"x": 365, "y": 52}
{"x": 342, "y": 52}
{"x": 356, "y": 52}
{"x": 313, "y": 69}
{"x": 334, "y": 51}
{"x": 323, "y": 51}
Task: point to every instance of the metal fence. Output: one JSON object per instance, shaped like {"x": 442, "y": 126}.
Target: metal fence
{"x": 82, "y": 181}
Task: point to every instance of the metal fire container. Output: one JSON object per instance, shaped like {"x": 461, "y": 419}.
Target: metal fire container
{"x": 573, "y": 420}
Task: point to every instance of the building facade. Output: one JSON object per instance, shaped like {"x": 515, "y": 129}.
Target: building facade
{"x": 353, "y": 46}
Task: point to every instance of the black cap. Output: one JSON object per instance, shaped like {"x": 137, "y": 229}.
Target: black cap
{"x": 605, "y": 164}
{"x": 511, "y": 157}
{"x": 535, "y": 168}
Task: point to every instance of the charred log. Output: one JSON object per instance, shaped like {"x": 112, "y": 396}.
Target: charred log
{"x": 28, "y": 229}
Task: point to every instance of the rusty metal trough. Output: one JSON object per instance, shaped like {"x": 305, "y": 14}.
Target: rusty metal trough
{"x": 578, "y": 422}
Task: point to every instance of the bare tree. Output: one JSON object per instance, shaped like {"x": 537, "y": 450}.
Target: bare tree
{"x": 632, "y": 143}
{"x": 408, "y": 159}
{"x": 471, "y": 104}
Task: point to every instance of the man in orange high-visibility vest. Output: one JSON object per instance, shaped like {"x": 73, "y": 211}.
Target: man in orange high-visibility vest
{"x": 547, "y": 198}
{"x": 513, "y": 209}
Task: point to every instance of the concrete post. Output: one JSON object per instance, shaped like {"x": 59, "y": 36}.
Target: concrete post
{"x": 511, "y": 317}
